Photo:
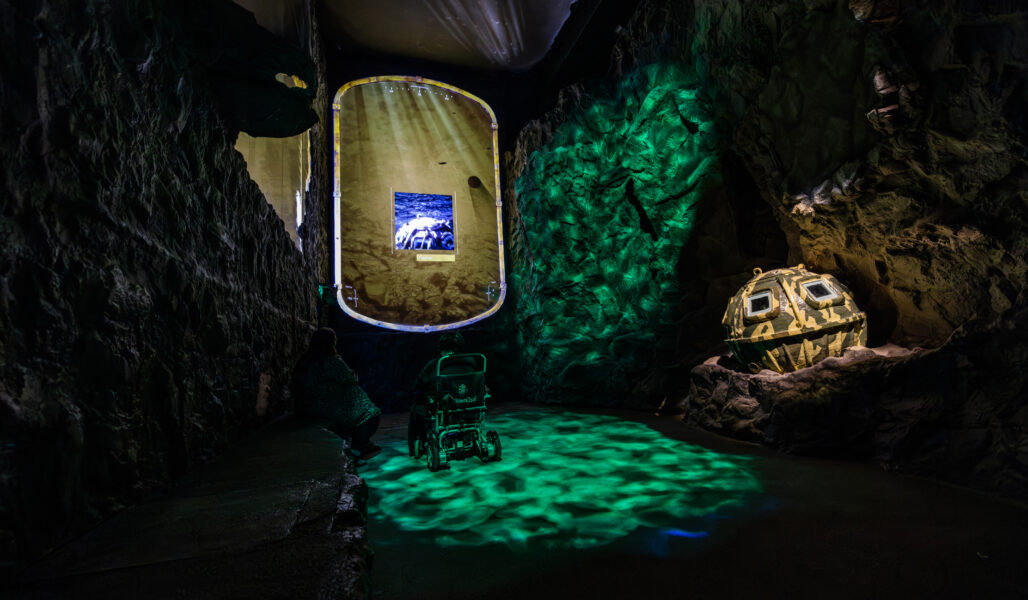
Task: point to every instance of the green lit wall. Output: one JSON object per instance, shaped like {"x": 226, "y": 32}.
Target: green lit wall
{"x": 603, "y": 212}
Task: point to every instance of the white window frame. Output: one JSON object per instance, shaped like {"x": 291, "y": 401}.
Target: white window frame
{"x": 823, "y": 301}
{"x": 750, "y": 314}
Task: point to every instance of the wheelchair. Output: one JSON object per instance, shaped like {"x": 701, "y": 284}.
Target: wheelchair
{"x": 455, "y": 414}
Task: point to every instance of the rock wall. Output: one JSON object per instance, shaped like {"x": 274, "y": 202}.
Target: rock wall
{"x": 881, "y": 141}
{"x": 893, "y": 157}
{"x": 956, "y": 412}
{"x": 317, "y": 213}
{"x": 603, "y": 211}
{"x": 627, "y": 215}
{"x": 888, "y": 137}
{"x": 151, "y": 304}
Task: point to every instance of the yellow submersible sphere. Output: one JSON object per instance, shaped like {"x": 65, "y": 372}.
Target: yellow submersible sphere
{"x": 788, "y": 319}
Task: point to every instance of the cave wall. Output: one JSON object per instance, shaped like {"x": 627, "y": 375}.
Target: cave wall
{"x": 316, "y": 231}
{"x": 603, "y": 209}
{"x": 888, "y": 137}
{"x": 151, "y": 304}
{"x": 880, "y": 141}
{"x": 627, "y": 216}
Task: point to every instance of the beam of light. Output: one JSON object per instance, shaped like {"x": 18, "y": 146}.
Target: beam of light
{"x": 566, "y": 480}
{"x": 494, "y": 30}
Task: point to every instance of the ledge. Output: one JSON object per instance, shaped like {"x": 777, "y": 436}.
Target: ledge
{"x": 281, "y": 514}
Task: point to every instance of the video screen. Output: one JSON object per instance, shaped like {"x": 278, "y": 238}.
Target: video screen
{"x": 423, "y": 222}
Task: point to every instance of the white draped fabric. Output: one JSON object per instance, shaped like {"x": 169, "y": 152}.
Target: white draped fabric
{"x": 501, "y": 34}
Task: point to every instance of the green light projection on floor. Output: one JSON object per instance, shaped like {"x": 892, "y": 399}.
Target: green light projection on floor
{"x": 566, "y": 480}
{"x": 603, "y": 211}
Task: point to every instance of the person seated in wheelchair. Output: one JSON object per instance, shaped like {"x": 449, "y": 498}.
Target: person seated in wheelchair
{"x": 448, "y": 414}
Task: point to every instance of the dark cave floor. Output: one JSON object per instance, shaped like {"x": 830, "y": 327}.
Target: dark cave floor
{"x": 576, "y": 514}
{"x": 585, "y": 504}
{"x": 259, "y": 521}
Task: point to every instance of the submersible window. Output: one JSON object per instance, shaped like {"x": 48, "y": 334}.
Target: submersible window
{"x": 758, "y": 304}
{"x": 418, "y": 216}
{"x": 820, "y": 290}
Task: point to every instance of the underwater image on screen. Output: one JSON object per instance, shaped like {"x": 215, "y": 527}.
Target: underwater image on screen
{"x": 423, "y": 222}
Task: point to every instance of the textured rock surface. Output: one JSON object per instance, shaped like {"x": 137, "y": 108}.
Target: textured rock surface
{"x": 893, "y": 154}
{"x": 894, "y": 157}
{"x": 145, "y": 284}
{"x": 886, "y": 142}
{"x": 603, "y": 210}
{"x": 281, "y": 515}
{"x": 627, "y": 220}
{"x": 317, "y": 215}
{"x": 956, "y": 412}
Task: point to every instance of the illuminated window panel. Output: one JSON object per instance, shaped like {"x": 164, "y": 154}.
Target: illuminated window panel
{"x": 281, "y": 169}
{"x": 819, "y": 294}
{"x": 418, "y": 218}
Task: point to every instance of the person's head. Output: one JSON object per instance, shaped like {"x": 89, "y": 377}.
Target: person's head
{"x": 450, "y": 343}
{"x": 323, "y": 343}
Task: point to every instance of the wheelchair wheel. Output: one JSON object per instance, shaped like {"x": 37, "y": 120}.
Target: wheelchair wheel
{"x": 433, "y": 456}
{"x": 419, "y": 448}
{"x": 492, "y": 442}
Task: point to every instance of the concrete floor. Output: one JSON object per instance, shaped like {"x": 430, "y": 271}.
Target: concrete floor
{"x": 816, "y": 529}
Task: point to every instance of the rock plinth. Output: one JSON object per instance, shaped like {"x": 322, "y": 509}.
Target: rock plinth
{"x": 957, "y": 412}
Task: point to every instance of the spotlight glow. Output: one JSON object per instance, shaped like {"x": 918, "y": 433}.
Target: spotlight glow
{"x": 566, "y": 480}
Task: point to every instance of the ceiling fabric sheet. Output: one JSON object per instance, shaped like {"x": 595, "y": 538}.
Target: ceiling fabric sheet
{"x": 500, "y": 34}
{"x": 284, "y": 18}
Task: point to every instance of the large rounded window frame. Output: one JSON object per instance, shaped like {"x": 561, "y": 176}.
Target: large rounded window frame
{"x": 337, "y": 205}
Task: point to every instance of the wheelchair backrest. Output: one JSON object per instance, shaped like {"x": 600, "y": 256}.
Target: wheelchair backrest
{"x": 462, "y": 378}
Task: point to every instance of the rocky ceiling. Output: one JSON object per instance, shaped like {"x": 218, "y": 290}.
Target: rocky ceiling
{"x": 492, "y": 34}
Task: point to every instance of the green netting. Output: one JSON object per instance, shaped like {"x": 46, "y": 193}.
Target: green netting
{"x": 604, "y": 210}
